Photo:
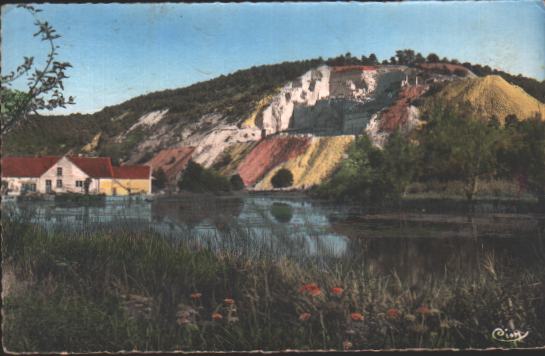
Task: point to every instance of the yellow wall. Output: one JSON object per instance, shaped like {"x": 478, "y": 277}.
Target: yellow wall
{"x": 315, "y": 165}
{"x": 122, "y": 186}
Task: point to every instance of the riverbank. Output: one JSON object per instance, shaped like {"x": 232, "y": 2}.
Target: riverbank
{"x": 124, "y": 290}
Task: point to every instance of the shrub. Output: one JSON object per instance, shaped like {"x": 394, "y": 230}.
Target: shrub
{"x": 160, "y": 178}
{"x": 236, "y": 182}
{"x": 282, "y": 179}
{"x": 198, "y": 179}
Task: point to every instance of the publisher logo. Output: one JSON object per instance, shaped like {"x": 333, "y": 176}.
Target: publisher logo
{"x": 508, "y": 335}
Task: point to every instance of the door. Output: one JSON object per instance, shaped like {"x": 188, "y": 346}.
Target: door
{"x": 48, "y": 186}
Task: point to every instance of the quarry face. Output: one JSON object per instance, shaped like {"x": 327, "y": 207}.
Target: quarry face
{"x": 335, "y": 100}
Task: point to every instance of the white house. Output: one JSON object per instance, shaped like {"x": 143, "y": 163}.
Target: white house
{"x": 21, "y": 175}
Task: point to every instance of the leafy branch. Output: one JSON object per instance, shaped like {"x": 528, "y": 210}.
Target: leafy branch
{"x": 45, "y": 85}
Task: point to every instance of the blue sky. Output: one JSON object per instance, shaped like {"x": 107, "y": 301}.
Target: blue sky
{"x": 124, "y": 50}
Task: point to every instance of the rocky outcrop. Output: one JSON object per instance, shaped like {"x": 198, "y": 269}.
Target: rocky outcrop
{"x": 268, "y": 154}
{"x": 172, "y": 161}
{"x": 319, "y": 160}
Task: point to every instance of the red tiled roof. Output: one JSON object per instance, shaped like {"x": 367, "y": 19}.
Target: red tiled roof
{"x": 27, "y": 166}
{"x": 96, "y": 167}
{"x": 338, "y": 69}
{"x": 132, "y": 172}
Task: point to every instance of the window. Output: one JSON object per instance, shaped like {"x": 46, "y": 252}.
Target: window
{"x": 59, "y": 183}
{"x": 79, "y": 183}
{"x": 29, "y": 187}
{"x": 59, "y": 171}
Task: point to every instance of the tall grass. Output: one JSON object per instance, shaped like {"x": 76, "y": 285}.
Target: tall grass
{"x": 122, "y": 288}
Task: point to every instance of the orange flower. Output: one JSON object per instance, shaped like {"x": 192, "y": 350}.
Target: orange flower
{"x": 196, "y": 295}
{"x": 311, "y": 288}
{"x": 423, "y": 309}
{"x": 304, "y": 316}
{"x": 308, "y": 287}
{"x": 229, "y": 301}
{"x": 337, "y": 290}
{"x": 347, "y": 345}
{"x": 217, "y": 316}
{"x": 392, "y": 313}
{"x": 356, "y": 316}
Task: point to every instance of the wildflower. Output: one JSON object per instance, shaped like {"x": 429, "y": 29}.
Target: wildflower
{"x": 217, "y": 316}
{"x": 304, "y": 316}
{"x": 356, "y": 316}
{"x": 311, "y": 288}
{"x": 229, "y": 301}
{"x": 410, "y": 317}
{"x": 347, "y": 345}
{"x": 423, "y": 310}
{"x": 392, "y": 313}
{"x": 196, "y": 295}
{"x": 308, "y": 287}
{"x": 337, "y": 290}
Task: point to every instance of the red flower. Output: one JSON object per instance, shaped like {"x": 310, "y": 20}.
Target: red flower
{"x": 392, "y": 313}
{"x": 304, "y": 316}
{"x": 311, "y": 288}
{"x": 356, "y": 316}
{"x": 229, "y": 301}
{"x": 423, "y": 309}
{"x": 308, "y": 287}
{"x": 337, "y": 290}
{"x": 196, "y": 295}
{"x": 217, "y": 316}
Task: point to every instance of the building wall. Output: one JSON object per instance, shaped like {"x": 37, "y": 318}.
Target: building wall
{"x": 15, "y": 184}
{"x": 70, "y": 174}
{"x": 122, "y": 186}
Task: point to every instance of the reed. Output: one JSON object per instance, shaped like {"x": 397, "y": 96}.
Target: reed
{"x": 126, "y": 287}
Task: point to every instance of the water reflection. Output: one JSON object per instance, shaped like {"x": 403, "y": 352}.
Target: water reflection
{"x": 414, "y": 244}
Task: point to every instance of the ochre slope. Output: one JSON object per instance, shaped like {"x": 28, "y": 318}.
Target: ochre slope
{"x": 171, "y": 160}
{"x": 269, "y": 153}
{"x": 315, "y": 164}
{"x": 491, "y": 95}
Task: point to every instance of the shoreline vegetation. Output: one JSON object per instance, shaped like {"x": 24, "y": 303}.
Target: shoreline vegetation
{"x": 122, "y": 289}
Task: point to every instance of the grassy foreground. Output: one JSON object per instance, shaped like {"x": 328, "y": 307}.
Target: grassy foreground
{"x": 123, "y": 290}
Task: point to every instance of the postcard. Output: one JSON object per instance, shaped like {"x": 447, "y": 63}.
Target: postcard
{"x": 339, "y": 176}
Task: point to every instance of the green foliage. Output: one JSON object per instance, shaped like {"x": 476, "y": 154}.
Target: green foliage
{"x": 521, "y": 154}
{"x": 45, "y": 84}
{"x": 236, "y": 182}
{"x": 371, "y": 175}
{"x": 454, "y": 146}
{"x": 160, "y": 180}
{"x": 282, "y": 179}
{"x": 118, "y": 290}
{"x": 198, "y": 179}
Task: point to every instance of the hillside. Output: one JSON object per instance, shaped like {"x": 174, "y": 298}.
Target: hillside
{"x": 491, "y": 96}
{"x": 296, "y": 115}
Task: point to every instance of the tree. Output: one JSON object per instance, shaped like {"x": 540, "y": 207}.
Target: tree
{"x": 406, "y": 56}
{"x": 282, "y": 179}
{"x": 399, "y": 167}
{"x": 522, "y": 154}
{"x": 160, "y": 179}
{"x": 432, "y": 58}
{"x": 236, "y": 182}
{"x": 198, "y": 179}
{"x": 86, "y": 185}
{"x": 45, "y": 85}
{"x": 458, "y": 146}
